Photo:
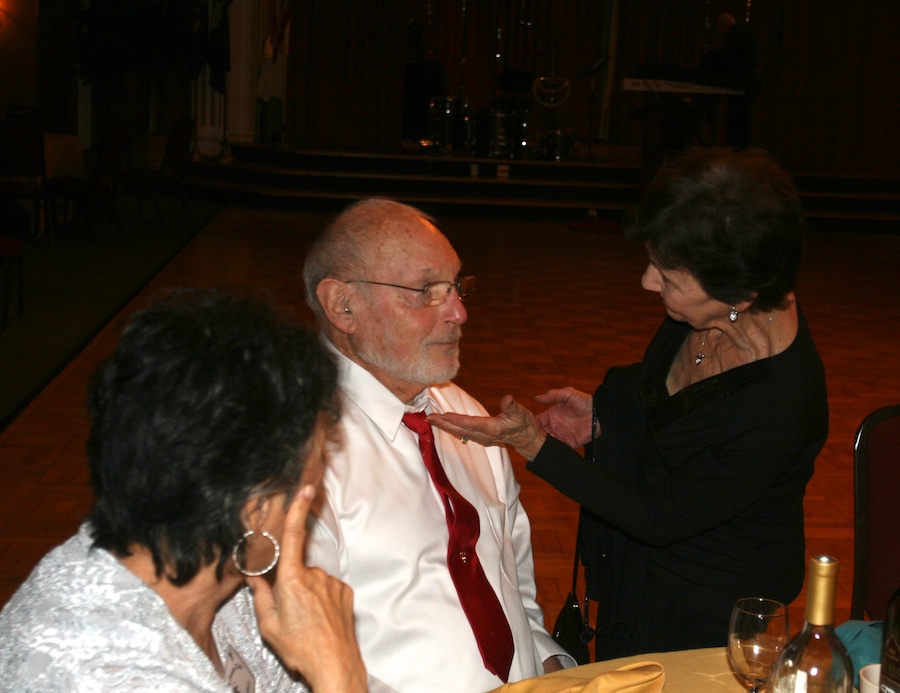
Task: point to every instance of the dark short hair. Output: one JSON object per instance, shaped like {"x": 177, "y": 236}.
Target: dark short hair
{"x": 732, "y": 219}
{"x": 210, "y": 399}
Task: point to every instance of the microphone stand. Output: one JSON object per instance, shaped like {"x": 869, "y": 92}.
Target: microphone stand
{"x": 591, "y": 71}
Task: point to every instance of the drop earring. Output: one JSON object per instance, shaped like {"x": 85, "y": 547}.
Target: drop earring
{"x": 733, "y": 314}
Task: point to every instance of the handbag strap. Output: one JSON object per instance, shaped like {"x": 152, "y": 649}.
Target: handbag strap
{"x": 575, "y": 564}
{"x": 580, "y": 540}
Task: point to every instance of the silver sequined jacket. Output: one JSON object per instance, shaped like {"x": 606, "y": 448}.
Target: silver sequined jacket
{"x": 83, "y": 622}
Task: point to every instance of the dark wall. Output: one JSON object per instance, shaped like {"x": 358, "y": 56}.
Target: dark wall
{"x": 18, "y": 53}
{"x": 828, "y": 69}
{"x": 829, "y": 101}
{"x": 39, "y": 60}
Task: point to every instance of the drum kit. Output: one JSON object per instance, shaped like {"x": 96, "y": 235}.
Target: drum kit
{"x": 508, "y": 130}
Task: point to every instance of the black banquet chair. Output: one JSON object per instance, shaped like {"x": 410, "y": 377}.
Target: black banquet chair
{"x": 876, "y": 570}
{"x": 168, "y": 176}
{"x": 12, "y": 272}
{"x": 22, "y": 175}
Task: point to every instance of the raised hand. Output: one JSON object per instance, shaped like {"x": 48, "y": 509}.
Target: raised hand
{"x": 307, "y": 617}
{"x": 569, "y": 418}
{"x": 515, "y": 425}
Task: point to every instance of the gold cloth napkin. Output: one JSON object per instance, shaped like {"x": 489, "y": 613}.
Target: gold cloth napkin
{"x": 638, "y": 677}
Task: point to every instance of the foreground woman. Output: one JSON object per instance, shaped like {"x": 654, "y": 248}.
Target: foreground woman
{"x": 188, "y": 574}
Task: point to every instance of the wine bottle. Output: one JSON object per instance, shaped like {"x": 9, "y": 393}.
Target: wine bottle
{"x": 890, "y": 651}
{"x": 814, "y": 660}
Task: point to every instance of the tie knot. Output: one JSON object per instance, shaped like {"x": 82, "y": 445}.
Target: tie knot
{"x": 415, "y": 421}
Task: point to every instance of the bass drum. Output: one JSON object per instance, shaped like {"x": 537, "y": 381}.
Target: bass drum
{"x": 451, "y": 125}
{"x": 440, "y": 125}
{"x": 553, "y": 117}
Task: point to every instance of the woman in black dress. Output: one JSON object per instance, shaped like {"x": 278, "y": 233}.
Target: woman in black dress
{"x": 702, "y": 451}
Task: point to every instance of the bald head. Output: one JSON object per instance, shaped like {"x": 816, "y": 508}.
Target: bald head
{"x": 366, "y": 280}
{"x": 372, "y": 233}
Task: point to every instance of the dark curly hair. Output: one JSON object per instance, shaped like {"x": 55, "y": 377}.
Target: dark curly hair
{"x": 210, "y": 399}
{"x": 732, "y": 219}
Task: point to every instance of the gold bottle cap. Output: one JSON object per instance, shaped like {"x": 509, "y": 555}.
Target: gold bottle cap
{"x": 821, "y": 590}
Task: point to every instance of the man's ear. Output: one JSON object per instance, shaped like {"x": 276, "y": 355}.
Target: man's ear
{"x": 334, "y": 298}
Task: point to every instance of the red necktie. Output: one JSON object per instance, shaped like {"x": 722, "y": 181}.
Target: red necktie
{"x": 478, "y": 600}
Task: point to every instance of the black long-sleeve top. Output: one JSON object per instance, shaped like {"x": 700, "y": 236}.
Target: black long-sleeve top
{"x": 696, "y": 498}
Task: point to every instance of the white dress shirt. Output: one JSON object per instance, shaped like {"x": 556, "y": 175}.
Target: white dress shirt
{"x": 382, "y": 529}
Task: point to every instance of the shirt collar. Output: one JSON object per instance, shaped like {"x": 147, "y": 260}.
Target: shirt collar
{"x": 380, "y": 404}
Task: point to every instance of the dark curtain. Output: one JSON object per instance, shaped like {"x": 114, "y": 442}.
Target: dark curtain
{"x": 828, "y": 100}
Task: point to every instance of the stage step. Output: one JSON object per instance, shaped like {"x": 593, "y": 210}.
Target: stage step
{"x": 578, "y": 188}
{"x": 605, "y": 185}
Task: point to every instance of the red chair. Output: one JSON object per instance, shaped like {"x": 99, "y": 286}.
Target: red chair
{"x": 876, "y": 569}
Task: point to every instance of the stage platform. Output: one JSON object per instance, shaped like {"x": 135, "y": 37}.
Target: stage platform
{"x": 602, "y": 185}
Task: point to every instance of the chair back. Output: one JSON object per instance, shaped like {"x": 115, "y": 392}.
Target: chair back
{"x": 110, "y": 155}
{"x": 21, "y": 149}
{"x": 179, "y": 146}
{"x": 876, "y": 571}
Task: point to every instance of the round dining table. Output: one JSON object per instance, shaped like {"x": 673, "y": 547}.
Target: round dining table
{"x": 685, "y": 671}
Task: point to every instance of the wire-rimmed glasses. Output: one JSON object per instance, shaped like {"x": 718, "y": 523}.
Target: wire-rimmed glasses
{"x": 433, "y": 293}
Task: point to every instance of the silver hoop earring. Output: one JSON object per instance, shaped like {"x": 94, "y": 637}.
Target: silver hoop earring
{"x": 235, "y": 553}
{"x": 733, "y": 315}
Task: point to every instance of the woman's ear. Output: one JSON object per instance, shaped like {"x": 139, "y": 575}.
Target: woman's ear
{"x": 744, "y": 305}
{"x": 256, "y": 511}
{"x": 334, "y": 298}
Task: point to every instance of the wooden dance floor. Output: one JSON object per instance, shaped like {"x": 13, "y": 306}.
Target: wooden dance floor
{"x": 554, "y": 306}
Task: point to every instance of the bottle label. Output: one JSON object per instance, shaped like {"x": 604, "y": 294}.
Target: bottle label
{"x": 793, "y": 683}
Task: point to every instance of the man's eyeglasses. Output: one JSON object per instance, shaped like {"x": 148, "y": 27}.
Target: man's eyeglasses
{"x": 433, "y": 293}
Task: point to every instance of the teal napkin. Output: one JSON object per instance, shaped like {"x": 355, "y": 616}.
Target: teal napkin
{"x": 863, "y": 642}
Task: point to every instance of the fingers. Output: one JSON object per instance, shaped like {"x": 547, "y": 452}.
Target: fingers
{"x": 567, "y": 400}
{"x": 293, "y": 543}
{"x": 555, "y": 395}
{"x": 263, "y": 600}
{"x": 514, "y": 411}
{"x": 458, "y": 424}
{"x": 507, "y": 403}
{"x": 294, "y": 538}
{"x": 544, "y": 419}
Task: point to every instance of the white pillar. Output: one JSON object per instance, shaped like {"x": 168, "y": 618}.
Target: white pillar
{"x": 208, "y": 116}
{"x": 231, "y": 118}
{"x": 242, "y": 80}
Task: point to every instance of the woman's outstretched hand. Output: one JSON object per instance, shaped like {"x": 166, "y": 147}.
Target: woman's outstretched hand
{"x": 569, "y": 418}
{"x": 515, "y": 425}
{"x": 307, "y": 617}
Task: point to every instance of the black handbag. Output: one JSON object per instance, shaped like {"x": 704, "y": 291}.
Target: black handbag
{"x": 572, "y": 628}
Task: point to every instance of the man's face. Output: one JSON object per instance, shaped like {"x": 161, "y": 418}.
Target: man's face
{"x": 405, "y": 344}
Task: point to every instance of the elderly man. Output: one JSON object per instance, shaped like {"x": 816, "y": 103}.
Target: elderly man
{"x": 425, "y": 527}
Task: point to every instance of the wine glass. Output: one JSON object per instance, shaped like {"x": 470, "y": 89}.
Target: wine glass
{"x": 757, "y": 634}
